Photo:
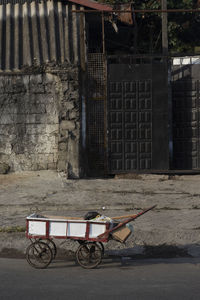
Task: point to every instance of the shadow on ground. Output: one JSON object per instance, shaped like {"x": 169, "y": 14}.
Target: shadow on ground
{"x": 147, "y": 252}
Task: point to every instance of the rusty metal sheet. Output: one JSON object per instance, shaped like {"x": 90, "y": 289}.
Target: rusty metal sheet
{"x": 125, "y": 17}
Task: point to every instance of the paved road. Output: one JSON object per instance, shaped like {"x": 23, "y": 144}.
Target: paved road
{"x": 141, "y": 279}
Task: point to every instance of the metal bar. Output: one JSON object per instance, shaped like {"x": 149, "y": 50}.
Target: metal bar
{"x": 66, "y": 33}
{"x": 61, "y": 31}
{"x": 139, "y": 56}
{"x": 26, "y": 37}
{"x": 16, "y": 35}
{"x": 103, "y": 32}
{"x": 51, "y": 24}
{"x": 197, "y": 89}
{"x": 83, "y": 59}
{"x": 105, "y": 91}
{"x": 1, "y": 34}
{"x": 105, "y": 115}
{"x": 164, "y": 28}
{"x": 34, "y": 28}
{"x": 8, "y": 36}
{"x": 140, "y": 11}
{"x": 75, "y": 37}
{"x": 82, "y": 41}
{"x": 43, "y": 30}
{"x": 47, "y": 229}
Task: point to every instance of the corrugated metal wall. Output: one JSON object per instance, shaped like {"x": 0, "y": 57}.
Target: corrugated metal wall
{"x": 33, "y": 33}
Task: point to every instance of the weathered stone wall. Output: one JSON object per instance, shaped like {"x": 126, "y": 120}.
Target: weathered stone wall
{"x": 39, "y": 121}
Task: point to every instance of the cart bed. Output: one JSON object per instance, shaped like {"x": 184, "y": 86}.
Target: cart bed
{"x": 66, "y": 229}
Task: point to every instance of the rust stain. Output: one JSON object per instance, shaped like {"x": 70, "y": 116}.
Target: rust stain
{"x": 92, "y": 4}
{"x": 125, "y": 17}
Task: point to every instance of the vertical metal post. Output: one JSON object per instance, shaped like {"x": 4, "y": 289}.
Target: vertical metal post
{"x": 83, "y": 86}
{"x": 82, "y": 40}
{"x": 165, "y": 52}
{"x": 105, "y": 91}
{"x": 164, "y": 28}
{"x": 103, "y": 33}
{"x": 105, "y": 116}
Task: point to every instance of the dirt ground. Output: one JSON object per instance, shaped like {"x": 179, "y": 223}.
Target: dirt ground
{"x": 175, "y": 222}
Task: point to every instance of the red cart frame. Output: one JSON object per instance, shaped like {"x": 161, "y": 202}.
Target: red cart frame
{"x": 40, "y": 252}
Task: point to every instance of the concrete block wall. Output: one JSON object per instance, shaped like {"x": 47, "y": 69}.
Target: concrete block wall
{"x": 39, "y": 121}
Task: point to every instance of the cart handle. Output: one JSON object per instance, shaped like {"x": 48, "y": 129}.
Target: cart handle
{"x": 126, "y": 221}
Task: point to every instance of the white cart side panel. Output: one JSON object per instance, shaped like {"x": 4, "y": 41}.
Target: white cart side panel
{"x": 76, "y": 229}
{"x": 96, "y": 229}
{"x": 37, "y": 228}
{"x": 57, "y": 228}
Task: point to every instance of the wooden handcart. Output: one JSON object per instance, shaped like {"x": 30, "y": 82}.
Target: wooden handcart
{"x": 90, "y": 234}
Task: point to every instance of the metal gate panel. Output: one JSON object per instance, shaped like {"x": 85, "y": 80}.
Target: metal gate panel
{"x": 130, "y": 119}
{"x": 116, "y": 117}
{"x": 185, "y": 100}
{"x": 132, "y": 145}
{"x": 160, "y": 116}
{"x": 95, "y": 105}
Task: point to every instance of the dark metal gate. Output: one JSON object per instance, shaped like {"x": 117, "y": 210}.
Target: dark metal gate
{"x": 137, "y": 115}
{"x": 95, "y": 107}
{"x": 186, "y": 110}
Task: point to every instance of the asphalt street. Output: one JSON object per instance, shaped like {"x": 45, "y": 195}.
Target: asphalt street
{"x": 115, "y": 279}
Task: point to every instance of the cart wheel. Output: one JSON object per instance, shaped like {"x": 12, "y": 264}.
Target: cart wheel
{"x": 39, "y": 255}
{"x": 89, "y": 255}
{"x": 51, "y": 244}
